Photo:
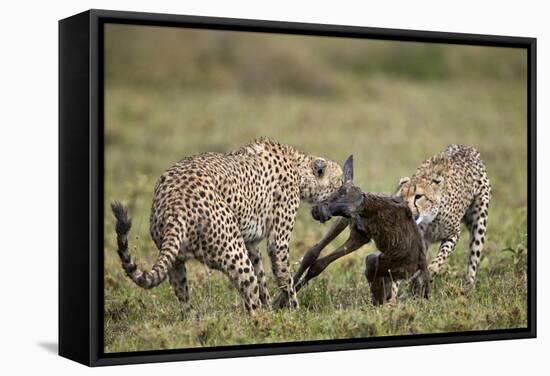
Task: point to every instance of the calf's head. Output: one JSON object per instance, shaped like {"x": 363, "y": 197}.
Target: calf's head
{"x": 345, "y": 202}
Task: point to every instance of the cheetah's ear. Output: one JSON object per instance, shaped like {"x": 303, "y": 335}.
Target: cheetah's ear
{"x": 404, "y": 180}
{"x": 348, "y": 169}
{"x": 319, "y": 167}
{"x": 437, "y": 180}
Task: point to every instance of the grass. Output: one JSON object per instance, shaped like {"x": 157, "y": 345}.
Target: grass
{"x": 390, "y": 116}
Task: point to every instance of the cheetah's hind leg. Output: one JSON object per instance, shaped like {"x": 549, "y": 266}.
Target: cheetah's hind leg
{"x": 256, "y": 258}
{"x": 476, "y": 221}
{"x": 178, "y": 280}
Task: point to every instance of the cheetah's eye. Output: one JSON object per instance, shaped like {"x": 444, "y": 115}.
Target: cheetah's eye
{"x": 417, "y": 196}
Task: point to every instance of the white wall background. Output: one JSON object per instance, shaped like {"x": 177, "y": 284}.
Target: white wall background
{"x": 28, "y": 184}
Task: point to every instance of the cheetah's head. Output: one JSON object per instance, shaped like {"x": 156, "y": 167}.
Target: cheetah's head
{"x": 321, "y": 178}
{"x": 423, "y": 194}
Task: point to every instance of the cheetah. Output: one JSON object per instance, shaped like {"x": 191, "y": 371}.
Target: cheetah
{"x": 449, "y": 188}
{"x": 217, "y": 208}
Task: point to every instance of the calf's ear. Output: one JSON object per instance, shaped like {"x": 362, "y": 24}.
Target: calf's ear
{"x": 348, "y": 169}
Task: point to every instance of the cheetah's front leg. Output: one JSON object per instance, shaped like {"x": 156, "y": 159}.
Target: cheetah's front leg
{"x": 277, "y": 248}
{"x": 394, "y": 291}
{"x": 477, "y": 224}
{"x": 446, "y": 248}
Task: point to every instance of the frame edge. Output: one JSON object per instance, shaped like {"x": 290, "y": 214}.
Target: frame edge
{"x": 74, "y": 185}
{"x": 84, "y": 347}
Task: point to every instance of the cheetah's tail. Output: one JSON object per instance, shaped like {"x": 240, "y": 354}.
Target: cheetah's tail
{"x": 165, "y": 261}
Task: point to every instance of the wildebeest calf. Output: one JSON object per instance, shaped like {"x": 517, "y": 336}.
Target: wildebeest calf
{"x": 383, "y": 218}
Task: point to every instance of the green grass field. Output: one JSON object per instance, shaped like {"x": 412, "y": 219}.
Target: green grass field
{"x": 391, "y": 105}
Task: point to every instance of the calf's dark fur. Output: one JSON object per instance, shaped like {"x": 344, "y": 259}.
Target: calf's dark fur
{"x": 383, "y": 218}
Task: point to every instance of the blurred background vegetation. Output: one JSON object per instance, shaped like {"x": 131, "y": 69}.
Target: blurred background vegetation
{"x": 173, "y": 92}
{"x": 262, "y": 63}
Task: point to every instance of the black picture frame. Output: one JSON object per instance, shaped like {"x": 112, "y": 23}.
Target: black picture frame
{"x": 81, "y": 181}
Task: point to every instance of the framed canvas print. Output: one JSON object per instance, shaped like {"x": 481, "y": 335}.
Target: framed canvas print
{"x": 236, "y": 187}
